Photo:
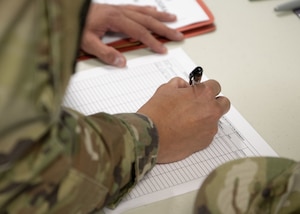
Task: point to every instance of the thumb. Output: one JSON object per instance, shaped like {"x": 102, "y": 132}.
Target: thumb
{"x": 178, "y": 82}
{"x": 92, "y": 44}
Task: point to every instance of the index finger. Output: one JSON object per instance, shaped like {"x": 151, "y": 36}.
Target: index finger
{"x": 154, "y": 25}
{"x": 137, "y": 31}
{"x": 178, "y": 82}
{"x": 142, "y": 26}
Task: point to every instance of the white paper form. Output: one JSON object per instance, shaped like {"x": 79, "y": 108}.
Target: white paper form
{"x": 115, "y": 90}
{"x": 188, "y": 12}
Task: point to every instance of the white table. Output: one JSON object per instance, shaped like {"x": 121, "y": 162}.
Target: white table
{"x": 255, "y": 55}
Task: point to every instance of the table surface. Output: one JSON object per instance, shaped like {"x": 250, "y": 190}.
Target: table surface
{"x": 255, "y": 54}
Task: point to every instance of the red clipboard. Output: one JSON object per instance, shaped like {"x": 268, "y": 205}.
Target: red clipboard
{"x": 128, "y": 44}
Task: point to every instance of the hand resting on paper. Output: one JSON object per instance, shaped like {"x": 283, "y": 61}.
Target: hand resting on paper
{"x": 135, "y": 21}
{"x": 186, "y": 117}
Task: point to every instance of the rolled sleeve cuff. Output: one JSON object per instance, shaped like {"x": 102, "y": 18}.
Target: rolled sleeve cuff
{"x": 146, "y": 143}
{"x": 146, "y": 147}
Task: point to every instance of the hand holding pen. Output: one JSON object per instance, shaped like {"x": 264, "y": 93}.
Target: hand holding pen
{"x": 186, "y": 117}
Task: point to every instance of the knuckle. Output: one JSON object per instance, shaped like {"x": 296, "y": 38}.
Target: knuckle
{"x": 214, "y": 131}
{"x": 214, "y": 113}
{"x": 113, "y": 13}
{"x": 148, "y": 20}
{"x": 162, "y": 86}
{"x": 140, "y": 34}
{"x": 214, "y": 83}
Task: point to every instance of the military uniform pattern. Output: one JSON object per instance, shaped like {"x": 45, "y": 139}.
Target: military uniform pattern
{"x": 53, "y": 159}
{"x": 259, "y": 185}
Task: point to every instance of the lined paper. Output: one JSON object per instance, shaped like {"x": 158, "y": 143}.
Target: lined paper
{"x": 115, "y": 90}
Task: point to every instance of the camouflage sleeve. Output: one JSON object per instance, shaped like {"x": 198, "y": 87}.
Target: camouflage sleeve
{"x": 83, "y": 164}
{"x": 53, "y": 159}
{"x": 121, "y": 147}
{"x": 251, "y": 185}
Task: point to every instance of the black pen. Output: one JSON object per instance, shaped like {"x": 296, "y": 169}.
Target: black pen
{"x": 196, "y": 75}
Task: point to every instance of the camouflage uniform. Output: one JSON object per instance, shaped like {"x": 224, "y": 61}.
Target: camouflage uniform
{"x": 53, "y": 159}
{"x": 259, "y": 185}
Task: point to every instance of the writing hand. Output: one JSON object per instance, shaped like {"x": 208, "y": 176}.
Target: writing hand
{"x": 186, "y": 117}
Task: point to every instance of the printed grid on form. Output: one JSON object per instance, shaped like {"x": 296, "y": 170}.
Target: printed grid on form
{"x": 120, "y": 91}
{"x": 227, "y": 145}
{"x": 125, "y": 91}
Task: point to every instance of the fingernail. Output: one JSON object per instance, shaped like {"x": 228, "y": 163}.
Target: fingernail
{"x": 161, "y": 49}
{"x": 119, "y": 61}
{"x": 179, "y": 35}
{"x": 172, "y": 16}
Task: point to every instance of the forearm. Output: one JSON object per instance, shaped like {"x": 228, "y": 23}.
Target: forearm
{"x": 124, "y": 147}
{"x": 98, "y": 159}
